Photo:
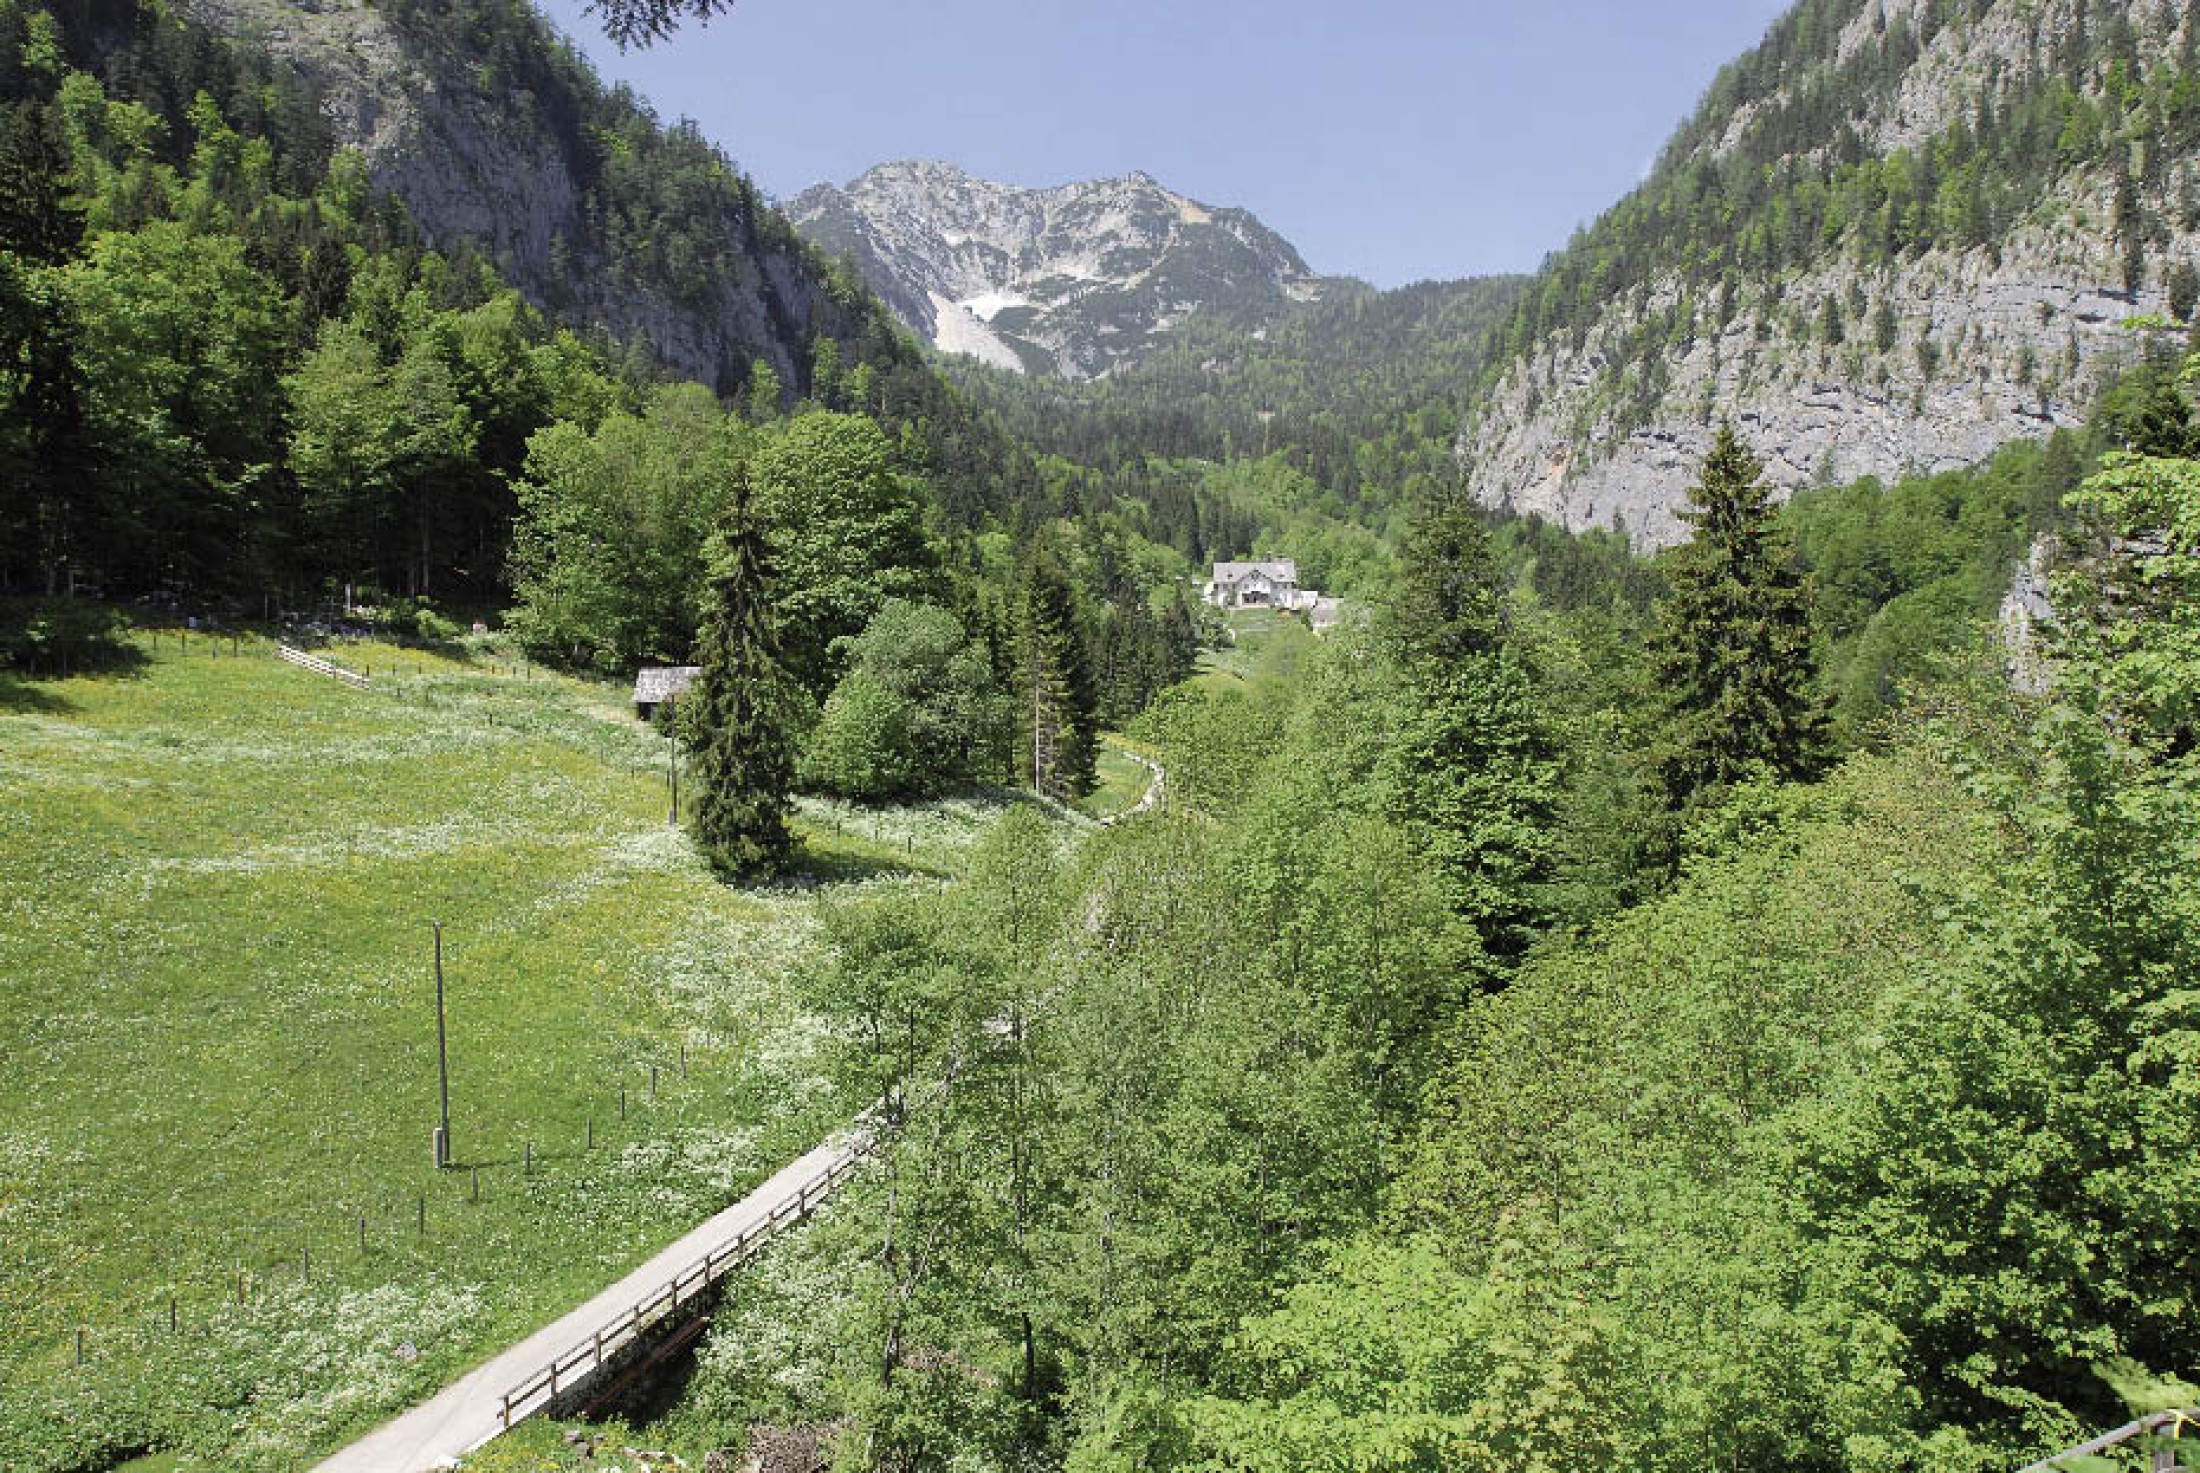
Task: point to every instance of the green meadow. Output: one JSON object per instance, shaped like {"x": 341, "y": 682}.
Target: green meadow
{"x": 1264, "y": 644}
{"x": 218, "y": 875}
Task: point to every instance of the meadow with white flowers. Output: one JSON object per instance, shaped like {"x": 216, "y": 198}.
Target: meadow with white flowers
{"x": 219, "y": 1058}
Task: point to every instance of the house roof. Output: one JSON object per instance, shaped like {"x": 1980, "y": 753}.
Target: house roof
{"x": 1282, "y": 570}
{"x": 658, "y": 683}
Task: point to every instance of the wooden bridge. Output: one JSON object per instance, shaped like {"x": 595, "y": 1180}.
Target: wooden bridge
{"x": 320, "y": 666}
{"x": 560, "y": 1362}
{"x": 2156, "y": 1436}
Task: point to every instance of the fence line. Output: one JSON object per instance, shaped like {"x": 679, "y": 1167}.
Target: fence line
{"x": 296, "y": 1252}
{"x": 320, "y": 666}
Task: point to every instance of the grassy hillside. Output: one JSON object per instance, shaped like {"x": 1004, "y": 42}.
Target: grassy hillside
{"x": 215, "y": 959}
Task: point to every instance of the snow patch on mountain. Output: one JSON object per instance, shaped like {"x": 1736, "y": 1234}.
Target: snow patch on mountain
{"x": 1077, "y": 279}
{"x": 960, "y": 327}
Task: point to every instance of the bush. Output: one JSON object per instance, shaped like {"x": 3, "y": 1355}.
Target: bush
{"x": 917, "y": 715}
{"x": 861, "y": 746}
{"x": 414, "y": 618}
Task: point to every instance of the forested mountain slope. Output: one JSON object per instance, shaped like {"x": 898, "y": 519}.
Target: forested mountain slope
{"x": 1895, "y": 236}
{"x": 1360, "y": 389}
{"x": 501, "y": 141}
{"x": 284, "y": 293}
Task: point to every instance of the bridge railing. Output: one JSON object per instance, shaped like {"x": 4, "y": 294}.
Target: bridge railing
{"x": 569, "y": 1368}
{"x": 2156, "y": 1435}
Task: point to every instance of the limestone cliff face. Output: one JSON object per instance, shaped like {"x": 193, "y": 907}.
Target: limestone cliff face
{"x": 1069, "y": 281}
{"x": 1933, "y": 358}
{"x": 1989, "y": 347}
{"x": 504, "y": 163}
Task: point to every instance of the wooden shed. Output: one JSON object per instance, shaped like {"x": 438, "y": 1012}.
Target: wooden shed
{"x": 657, "y": 684}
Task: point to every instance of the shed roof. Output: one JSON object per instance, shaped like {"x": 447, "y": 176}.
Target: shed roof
{"x": 658, "y": 683}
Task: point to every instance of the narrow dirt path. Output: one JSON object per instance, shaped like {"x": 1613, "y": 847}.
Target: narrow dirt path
{"x": 1154, "y": 789}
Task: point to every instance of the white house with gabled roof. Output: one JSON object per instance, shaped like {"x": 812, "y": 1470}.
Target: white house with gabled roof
{"x": 1272, "y": 583}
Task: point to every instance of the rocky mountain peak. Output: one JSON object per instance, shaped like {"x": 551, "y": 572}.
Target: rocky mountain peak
{"x": 1072, "y": 280}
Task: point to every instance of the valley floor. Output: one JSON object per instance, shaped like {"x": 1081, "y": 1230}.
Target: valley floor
{"x": 218, "y": 1069}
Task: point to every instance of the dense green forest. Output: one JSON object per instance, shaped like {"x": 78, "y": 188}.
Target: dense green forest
{"x": 1361, "y": 391}
{"x": 1594, "y": 1011}
{"x": 1388, "y": 1103}
{"x": 232, "y": 351}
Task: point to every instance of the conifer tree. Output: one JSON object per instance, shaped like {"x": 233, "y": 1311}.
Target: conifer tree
{"x": 1056, "y": 702}
{"x": 1476, "y": 764}
{"x": 1731, "y": 654}
{"x": 1450, "y": 602}
{"x": 1183, "y": 637}
{"x": 746, "y": 766}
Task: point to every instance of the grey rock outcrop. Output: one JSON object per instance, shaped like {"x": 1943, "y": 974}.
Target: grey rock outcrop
{"x": 1987, "y": 351}
{"x": 2026, "y": 612}
{"x": 1946, "y": 354}
{"x": 1069, "y": 281}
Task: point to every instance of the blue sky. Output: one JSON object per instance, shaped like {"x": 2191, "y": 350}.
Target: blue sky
{"x": 1393, "y": 140}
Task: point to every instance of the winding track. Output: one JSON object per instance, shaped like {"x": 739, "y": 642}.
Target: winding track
{"x": 1150, "y": 800}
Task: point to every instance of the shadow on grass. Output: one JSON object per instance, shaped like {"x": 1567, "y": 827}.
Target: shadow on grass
{"x": 20, "y": 695}
{"x": 837, "y": 867}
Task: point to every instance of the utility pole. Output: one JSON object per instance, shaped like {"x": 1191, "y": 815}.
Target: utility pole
{"x": 672, "y": 754}
{"x": 442, "y": 1058}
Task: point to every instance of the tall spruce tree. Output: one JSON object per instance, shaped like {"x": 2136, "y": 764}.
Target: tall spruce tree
{"x": 1182, "y": 632}
{"x": 1056, "y": 702}
{"x": 1476, "y": 767}
{"x": 1450, "y": 601}
{"x": 1731, "y": 652}
{"x": 746, "y": 766}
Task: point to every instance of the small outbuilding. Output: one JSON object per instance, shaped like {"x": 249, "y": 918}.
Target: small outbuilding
{"x": 657, "y": 684}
